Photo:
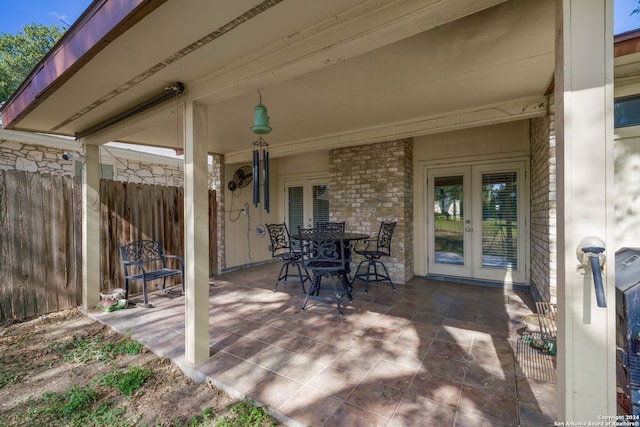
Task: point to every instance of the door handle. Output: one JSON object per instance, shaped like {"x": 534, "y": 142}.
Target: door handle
{"x": 468, "y": 229}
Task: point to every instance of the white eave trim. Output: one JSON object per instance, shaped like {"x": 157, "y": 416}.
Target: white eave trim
{"x": 520, "y": 109}
{"x": 70, "y": 144}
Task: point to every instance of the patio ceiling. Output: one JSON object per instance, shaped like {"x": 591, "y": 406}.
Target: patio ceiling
{"x": 331, "y": 72}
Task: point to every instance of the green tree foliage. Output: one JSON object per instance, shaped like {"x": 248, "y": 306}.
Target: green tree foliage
{"x": 20, "y": 52}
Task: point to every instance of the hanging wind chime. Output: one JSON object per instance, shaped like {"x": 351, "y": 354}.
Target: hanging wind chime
{"x": 260, "y": 127}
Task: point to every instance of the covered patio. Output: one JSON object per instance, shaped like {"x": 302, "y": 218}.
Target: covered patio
{"x": 439, "y": 89}
{"x": 429, "y": 353}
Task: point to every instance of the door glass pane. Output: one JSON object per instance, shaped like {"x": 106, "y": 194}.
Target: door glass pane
{"x": 500, "y": 220}
{"x": 448, "y": 220}
{"x": 295, "y": 209}
{"x": 320, "y": 203}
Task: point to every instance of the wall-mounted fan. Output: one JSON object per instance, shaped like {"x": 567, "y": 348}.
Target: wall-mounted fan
{"x": 241, "y": 178}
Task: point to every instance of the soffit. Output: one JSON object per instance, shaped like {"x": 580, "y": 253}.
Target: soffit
{"x": 323, "y": 68}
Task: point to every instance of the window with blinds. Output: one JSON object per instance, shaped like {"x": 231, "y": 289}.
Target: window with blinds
{"x": 320, "y": 203}
{"x": 296, "y": 209}
{"x": 500, "y": 220}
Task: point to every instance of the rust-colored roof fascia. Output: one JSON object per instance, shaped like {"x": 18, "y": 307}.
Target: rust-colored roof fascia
{"x": 102, "y": 22}
{"x": 626, "y": 43}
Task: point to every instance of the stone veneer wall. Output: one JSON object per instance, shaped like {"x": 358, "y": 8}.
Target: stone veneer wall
{"x": 43, "y": 159}
{"x": 374, "y": 183}
{"x": 543, "y": 206}
{"x": 215, "y": 182}
{"x": 16, "y": 155}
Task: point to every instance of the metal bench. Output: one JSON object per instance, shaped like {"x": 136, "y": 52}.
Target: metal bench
{"x": 145, "y": 260}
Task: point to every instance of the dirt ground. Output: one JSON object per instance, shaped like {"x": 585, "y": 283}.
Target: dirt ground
{"x": 32, "y": 363}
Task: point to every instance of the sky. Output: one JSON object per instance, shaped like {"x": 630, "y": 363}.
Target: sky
{"x": 623, "y": 21}
{"x": 14, "y": 14}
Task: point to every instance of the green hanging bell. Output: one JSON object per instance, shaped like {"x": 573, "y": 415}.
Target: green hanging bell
{"x": 260, "y": 120}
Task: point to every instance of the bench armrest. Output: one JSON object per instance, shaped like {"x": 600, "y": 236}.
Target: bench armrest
{"x": 180, "y": 261}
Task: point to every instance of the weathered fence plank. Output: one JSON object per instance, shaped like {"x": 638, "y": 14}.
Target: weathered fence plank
{"x": 41, "y": 229}
{"x": 74, "y": 242}
{"x": 39, "y": 253}
{"x": 38, "y": 244}
{"x": 21, "y": 257}
{"x": 6, "y": 262}
{"x": 50, "y": 226}
{"x": 139, "y": 211}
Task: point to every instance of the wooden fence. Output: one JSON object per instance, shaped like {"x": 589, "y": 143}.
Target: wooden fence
{"x": 40, "y": 243}
{"x": 41, "y": 236}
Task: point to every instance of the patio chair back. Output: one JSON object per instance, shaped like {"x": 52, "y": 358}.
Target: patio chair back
{"x": 323, "y": 253}
{"x": 383, "y": 245}
{"x": 376, "y": 271}
{"x": 280, "y": 239}
{"x": 282, "y": 247}
{"x": 323, "y": 250}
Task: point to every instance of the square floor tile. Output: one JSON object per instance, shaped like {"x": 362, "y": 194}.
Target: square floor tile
{"x": 352, "y": 416}
{"x": 376, "y": 397}
{"x": 479, "y": 402}
{"x": 310, "y": 407}
{"x": 417, "y": 410}
{"x": 243, "y": 376}
{"x": 442, "y": 390}
{"x": 334, "y": 381}
{"x": 274, "y": 390}
{"x": 392, "y": 374}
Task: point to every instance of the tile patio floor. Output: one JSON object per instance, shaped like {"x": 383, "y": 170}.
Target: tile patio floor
{"x": 428, "y": 354}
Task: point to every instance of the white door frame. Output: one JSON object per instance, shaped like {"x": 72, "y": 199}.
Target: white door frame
{"x": 307, "y": 184}
{"x": 473, "y": 262}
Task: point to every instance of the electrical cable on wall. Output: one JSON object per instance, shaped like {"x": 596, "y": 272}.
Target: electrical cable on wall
{"x": 249, "y": 236}
{"x": 84, "y": 165}
{"x": 126, "y": 166}
{"x": 242, "y": 177}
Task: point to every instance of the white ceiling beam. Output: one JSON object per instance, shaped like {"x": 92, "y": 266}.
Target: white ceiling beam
{"x": 520, "y": 109}
{"x": 131, "y": 125}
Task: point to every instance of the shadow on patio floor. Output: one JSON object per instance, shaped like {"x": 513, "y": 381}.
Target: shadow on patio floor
{"x": 429, "y": 353}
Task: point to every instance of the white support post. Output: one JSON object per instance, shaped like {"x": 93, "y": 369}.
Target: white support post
{"x": 91, "y": 227}
{"x": 196, "y": 233}
{"x": 584, "y": 129}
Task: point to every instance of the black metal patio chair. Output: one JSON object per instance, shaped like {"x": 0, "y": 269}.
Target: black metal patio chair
{"x": 372, "y": 255}
{"x": 281, "y": 248}
{"x": 323, "y": 254}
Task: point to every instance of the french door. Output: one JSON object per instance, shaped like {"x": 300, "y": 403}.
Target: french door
{"x": 476, "y": 219}
{"x": 306, "y": 202}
